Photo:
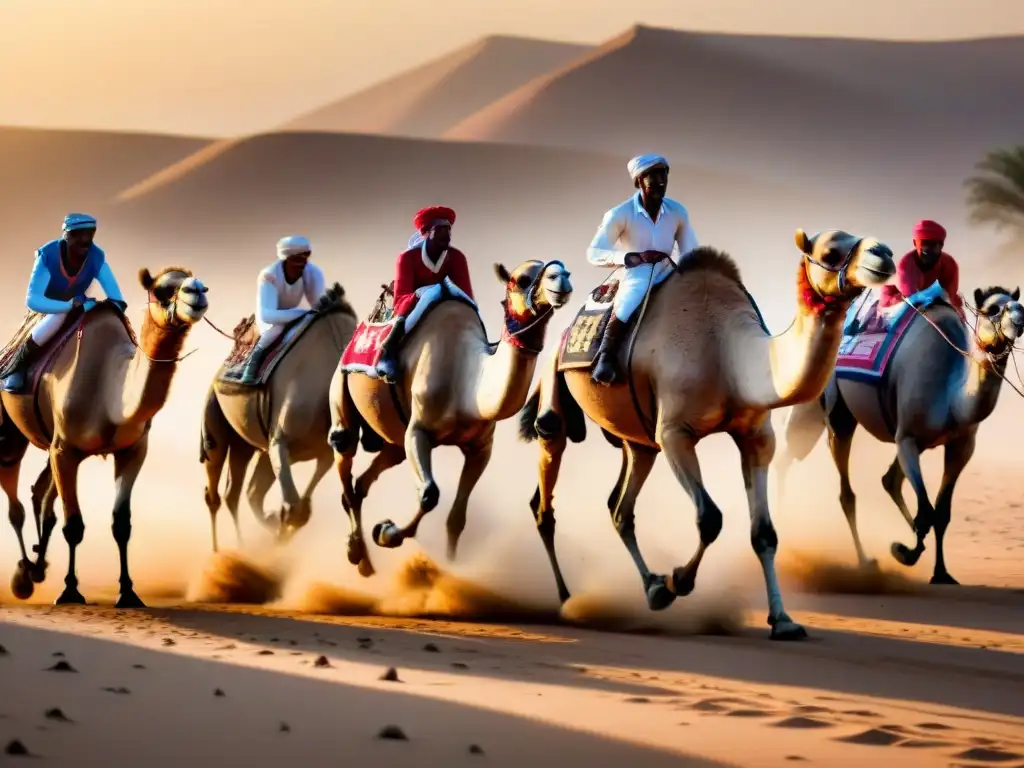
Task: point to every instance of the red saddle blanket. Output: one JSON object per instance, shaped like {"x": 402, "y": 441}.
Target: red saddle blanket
{"x": 363, "y": 350}
{"x": 865, "y": 356}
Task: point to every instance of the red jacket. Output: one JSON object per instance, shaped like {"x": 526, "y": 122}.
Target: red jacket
{"x": 412, "y": 272}
{"x": 910, "y": 279}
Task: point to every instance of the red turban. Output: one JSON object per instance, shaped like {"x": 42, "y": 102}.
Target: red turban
{"x": 426, "y": 219}
{"x": 926, "y": 229}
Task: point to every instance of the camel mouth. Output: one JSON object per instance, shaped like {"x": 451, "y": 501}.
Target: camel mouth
{"x": 876, "y": 274}
{"x": 190, "y": 311}
{"x": 558, "y": 298}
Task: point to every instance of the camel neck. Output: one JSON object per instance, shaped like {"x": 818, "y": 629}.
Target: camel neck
{"x": 148, "y": 379}
{"x": 980, "y": 391}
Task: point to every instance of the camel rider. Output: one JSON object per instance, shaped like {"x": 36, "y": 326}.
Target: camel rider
{"x": 639, "y": 234}
{"x": 280, "y": 289}
{"x": 63, "y": 272}
{"x": 428, "y": 261}
{"x": 923, "y": 266}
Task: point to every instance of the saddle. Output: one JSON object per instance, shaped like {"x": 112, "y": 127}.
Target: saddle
{"x": 246, "y": 333}
{"x": 73, "y": 326}
{"x": 364, "y": 348}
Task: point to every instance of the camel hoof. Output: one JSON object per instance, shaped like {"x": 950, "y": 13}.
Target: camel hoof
{"x": 787, "y": 629}
{"x": 38, "y": 572}
{"x": 21, "y": 582}
{"x": 870, "y": 566}
{"x": 683, "y": 581}
{"x": 129, "y": 600}
{"x": 365, "y": 568}
{"x": 944, "y": 578}
{"x": 429, "y": 498}
{"x": 70, "y": 596}
{"x": 659, "y": 596}
{"x": 356, "y": 549}
{"x": 904, "y": 555}
{"x": 386, "y": 534}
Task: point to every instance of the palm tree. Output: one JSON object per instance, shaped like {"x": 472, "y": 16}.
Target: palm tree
{"x": 996, "y": 195}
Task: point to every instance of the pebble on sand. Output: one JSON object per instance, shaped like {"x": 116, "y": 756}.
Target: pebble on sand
{"x": 56, "y": 713}
{"x": 321, "y": 662}
{"x": 476, "y": 749}
{"x": 285, "y": 728}
{"x": 61, "y": 666}
{"x": 218, "y": 692}
{"x": 15, "y": 747}
{"x": 431, "y": 648}
{"x": 390, "y": 675}
{"x": 3, "y": 651}
{"x": 392, "y": 732}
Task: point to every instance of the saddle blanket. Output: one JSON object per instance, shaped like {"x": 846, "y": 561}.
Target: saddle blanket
{"x": 363, "y": 350}
{"x": 73, "y": 326}
{"x": 871, "y": 337}
{"x": 246, "y": 342}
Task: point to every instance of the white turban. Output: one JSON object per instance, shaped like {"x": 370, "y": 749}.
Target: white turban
{"x": 292, "y": 245}
{"x": 640, "y": 164}
{"x": 74, "y": 221}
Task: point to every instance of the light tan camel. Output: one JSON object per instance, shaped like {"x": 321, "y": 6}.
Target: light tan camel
{"x": 455, "y": 386}
{"x": 704, "y": 363}
{"x": 934, "y": 396}
{"x": 99, "y": 398}
{"x": 286, "y": 421}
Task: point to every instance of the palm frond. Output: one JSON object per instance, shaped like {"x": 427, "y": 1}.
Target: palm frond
{"x": 996, "y": 195}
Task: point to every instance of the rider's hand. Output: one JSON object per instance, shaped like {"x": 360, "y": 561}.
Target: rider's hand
{"x": 653, "y": 257}
{"x": 633, "y": 259}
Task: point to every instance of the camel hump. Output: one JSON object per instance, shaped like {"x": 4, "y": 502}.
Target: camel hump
{"x": 707, "y": 258}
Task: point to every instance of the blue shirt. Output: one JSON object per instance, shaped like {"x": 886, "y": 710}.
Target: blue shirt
{"x": 51, "y": 289}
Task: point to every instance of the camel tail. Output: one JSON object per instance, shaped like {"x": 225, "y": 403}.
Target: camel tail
{"x": 804, "y": 427}
{"x": 575, "y": 421}
{"x": 528, "y": 417}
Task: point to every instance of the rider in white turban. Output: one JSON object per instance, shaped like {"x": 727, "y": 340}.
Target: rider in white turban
{"x": 639, "y": 234}
{"x": 280, "y": 289}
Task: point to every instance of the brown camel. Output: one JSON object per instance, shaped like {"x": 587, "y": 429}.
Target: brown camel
{"x": 97, "y": 398}
{"x": 286, "y": 419}
{"x": 454, "y": 388}
{"x": 704, "y": 363}
{"x": 933, "y": 395}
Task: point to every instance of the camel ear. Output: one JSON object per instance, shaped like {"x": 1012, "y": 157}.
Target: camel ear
{"x": 979, "y": 297}
{"x": 502, "y": 273}
{"x": 146, "y": 279}
{"x": 802, "y": 241}
{"x": 1016, "y": 294}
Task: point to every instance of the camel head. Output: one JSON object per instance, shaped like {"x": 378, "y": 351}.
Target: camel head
{"x": 1000, "y": 319}
{"x": 177, "y": 298}
{"x": 837, "y": 266}
{"x": 534, "y": 287}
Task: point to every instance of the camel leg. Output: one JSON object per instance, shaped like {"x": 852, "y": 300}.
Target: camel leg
{"x": 910, "y": 461}
{"x": 353, "y": 495}
{"x": 239, "y": 455}
{"x": 841, "y": 428}
{"x": 477, "y": 457}
{"x": 418, "y": 447}
{"x": 214, "y": 455}
{"x": 756, "y": 451}
{"x": 892, "y": 482}
{"x": 304, "y": 511}
{"x": 44, "y": 499}
{"x": 638, "y": 461}
{"x": 262, "y": 480}
{"x": 552, "y": 447}
{"x": 21, "y": 582}
{"x": 957, "y": 454}
{"x": 127, "y": 465}
{"x": 681, "y": 451}
{"x": 281, "y": 461}
{"x": 65, "y": 462}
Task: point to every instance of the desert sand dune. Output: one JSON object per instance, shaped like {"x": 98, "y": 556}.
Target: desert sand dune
{"x": 428, "y": 100}
{"x": 45, "y": 174}
{"x": 778, "y": 107}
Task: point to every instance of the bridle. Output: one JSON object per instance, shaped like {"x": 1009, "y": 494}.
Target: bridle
{"x": 512, "y": 336}
{"x": 841, "y": 269}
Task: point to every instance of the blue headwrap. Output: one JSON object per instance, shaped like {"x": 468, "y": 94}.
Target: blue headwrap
{"x": 75, "y": 221}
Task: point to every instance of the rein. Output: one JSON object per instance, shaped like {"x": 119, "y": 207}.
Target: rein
{"x": 510, "y": 335}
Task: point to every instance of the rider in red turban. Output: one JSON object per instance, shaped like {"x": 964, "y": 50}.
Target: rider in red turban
{"x": 429, "y": 260}
{"x": 924, "y": 265}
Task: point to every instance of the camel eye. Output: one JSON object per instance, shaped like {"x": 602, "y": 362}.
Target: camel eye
{"x": 523, "y": 281}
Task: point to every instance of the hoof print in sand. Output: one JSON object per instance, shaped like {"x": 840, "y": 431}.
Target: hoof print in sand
{"x": 749, "y": 713}
{"x": 61, "y": 666}
{"x": 119, "y": 690}
{"x": 459, "y": 665}
{"x": 802, "y": 723}
{"x": 392, "y": 733}
{"x": 874, "y": 737}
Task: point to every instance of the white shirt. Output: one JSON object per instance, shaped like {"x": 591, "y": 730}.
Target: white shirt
{"x": 628, "y": 227}
{"x": 277, "y": 299}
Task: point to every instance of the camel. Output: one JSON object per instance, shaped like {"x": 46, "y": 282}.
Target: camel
{"x": 934, "y": 395}
{"x": 285, "y": 420}
{"x": 454, "y": 388}
{"x": 97, "y": 398}
{"x": 703, "y": 362}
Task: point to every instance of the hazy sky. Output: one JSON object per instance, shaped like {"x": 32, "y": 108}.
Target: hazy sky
{"x": 218, "y": 67}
